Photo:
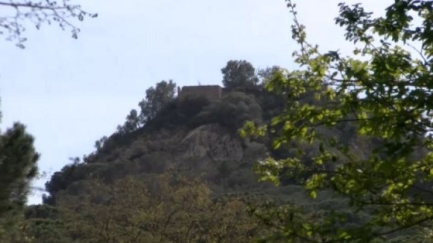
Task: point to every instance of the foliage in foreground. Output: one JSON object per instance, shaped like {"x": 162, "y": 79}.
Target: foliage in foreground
{"x": 385, "y": 91}
{"x": 160, "y": 208}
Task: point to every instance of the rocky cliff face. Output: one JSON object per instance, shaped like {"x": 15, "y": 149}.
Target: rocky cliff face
{"x": 211, "y": 141}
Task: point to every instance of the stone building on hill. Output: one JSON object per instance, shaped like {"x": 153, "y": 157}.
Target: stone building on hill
{"x": 212, "y": 92}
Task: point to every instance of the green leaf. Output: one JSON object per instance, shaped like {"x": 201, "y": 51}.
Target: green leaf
{"x": 313, "y": 194}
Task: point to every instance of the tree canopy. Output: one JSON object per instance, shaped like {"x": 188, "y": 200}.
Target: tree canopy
{"x": 18, "y": 167}
{"x": 156, "y": 99}
{"x": 384, "y": 89}
{"x": 162, "y": 208}
{"x": 239, "y": 73}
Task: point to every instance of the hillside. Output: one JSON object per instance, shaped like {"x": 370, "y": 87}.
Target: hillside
{"x": 338, "y": 150}
{"x": 181, "y": 161}
{"x": 193, "y": 135}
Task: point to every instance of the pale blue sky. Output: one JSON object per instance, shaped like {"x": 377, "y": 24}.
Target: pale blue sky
{"x": 70, "y": 92}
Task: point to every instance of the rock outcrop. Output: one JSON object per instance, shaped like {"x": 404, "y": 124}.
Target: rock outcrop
{"x": 212, "y": 141}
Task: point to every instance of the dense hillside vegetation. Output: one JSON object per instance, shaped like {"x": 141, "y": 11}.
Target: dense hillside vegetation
{"x": 177, "y": 170}
{"x": 337, "y": 151}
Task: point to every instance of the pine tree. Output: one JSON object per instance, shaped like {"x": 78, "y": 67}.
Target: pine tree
{"x": 18, "y": 167}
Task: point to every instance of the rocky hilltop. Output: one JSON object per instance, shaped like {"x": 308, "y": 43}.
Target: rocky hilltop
{"x": 182, "y": 157}
{"x": 191, "y": 134}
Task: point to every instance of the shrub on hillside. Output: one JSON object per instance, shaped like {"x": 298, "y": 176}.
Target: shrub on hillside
{"x": 178, "y": 112}
{"x": 232, "y": 111}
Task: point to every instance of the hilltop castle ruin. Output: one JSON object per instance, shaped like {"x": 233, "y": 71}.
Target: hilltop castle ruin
{"x": 212, "y": 92}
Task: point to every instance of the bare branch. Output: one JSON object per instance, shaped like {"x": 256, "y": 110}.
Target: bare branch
{"x": 39, "y": 13}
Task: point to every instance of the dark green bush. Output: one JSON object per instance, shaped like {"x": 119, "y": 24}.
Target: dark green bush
{"x": 232, "y": 111}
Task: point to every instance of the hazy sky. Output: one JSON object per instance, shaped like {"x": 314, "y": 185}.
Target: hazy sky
{"x": 70, "y": 92}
